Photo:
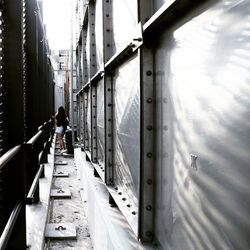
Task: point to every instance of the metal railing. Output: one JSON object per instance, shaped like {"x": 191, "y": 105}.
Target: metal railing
{"x": 21, "y": 168}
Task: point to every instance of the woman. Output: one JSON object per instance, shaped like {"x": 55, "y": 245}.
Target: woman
{"x": 61, "y": 125}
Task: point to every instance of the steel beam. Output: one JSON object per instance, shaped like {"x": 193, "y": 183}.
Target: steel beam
{"x": 93, "y": 87}
{"x": 108, "y": 94}
{"x": 147, "y": 154}
{"x": 85, "y": 116}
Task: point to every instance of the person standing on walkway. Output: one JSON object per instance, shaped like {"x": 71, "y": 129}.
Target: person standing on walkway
{"x": 61, "y": 126}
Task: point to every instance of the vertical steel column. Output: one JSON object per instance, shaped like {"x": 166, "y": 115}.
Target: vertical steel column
{"x": 78, "y": 122}
{"x": 108, "y": 94}
{"x": 85, "y": 116}
{"x": 147, "y": 127}
{"x": 80, "y": 110}
{"x": 93, "y": 87}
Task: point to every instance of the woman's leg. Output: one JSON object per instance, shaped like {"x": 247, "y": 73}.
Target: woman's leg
{"x": 61, "y": 141}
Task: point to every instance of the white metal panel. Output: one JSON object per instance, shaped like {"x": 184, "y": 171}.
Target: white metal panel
{"x": 100, "y": 122}
{"x": 87, "y": 64}
{"x": 125, "y": 21}
{"x": 99, "y": 33}
{"x": 127, "y": 129}
{"x": 203, "y": 107}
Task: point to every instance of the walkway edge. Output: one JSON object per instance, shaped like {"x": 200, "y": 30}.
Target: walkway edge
{"x": 37, "y": 214}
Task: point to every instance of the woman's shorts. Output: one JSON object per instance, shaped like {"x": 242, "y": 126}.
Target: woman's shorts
{"x": 59, "y": 130}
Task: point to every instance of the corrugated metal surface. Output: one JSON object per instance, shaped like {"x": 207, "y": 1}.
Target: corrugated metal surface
{"x": 202, "y": 111}
{"x": 127, "y": 128}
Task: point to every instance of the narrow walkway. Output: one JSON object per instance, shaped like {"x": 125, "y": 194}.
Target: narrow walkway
{"x": 68, "y": 210}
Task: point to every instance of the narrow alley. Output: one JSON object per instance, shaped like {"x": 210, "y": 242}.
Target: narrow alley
{"x": 124, "y": 124}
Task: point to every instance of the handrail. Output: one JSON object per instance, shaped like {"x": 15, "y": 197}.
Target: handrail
{"x": 4, "y": 159}
{"x": 33, "y": 187}
{"x": 35, "y": 138}
{"x": 10, "y": 225}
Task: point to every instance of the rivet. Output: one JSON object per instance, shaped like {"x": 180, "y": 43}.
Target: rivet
{"x": 148, "y": 207}
{"x": 149, "y": 155}
{"x": 109, "y": 89}
{"x": 120, "y": 193}
{"x": 134, "y": 213}
{"x": 110, "y": 150}
{"x": 149, "y": 127}
{"x": 123, "y": 199}
{"x": 109, "y": 104}
{"x": 149, "y": 181}
{"x": 149, "y": 73}
{"x": 149, "y": 100}
{"x": 128, "y": 205}
{"x": 165, "y": 127}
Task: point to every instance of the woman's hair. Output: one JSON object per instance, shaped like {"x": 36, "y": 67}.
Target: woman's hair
{"x": 61, "y": 110}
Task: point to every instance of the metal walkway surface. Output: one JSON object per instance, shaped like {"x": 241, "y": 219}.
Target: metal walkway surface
{"x": 67, "y": 223}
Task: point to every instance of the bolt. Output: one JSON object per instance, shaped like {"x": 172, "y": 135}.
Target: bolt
{"x": 149, "y": 100}
{"x": 148, "y": 234}
{"x": 149, "y": 181}
{"x": 149, "y": 127}
{"x": 149, "y": 155}
{"x": 149, "y": 73}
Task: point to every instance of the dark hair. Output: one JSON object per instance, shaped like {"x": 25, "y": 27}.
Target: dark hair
{"x": 61, "y": 117}
{"x": 61, "y": 110}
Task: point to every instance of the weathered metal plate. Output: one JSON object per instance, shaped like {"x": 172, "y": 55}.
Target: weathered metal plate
{"x": 64, "y": 231}
{"x": 61, "y": 174}
{"x": 60, "y": 193}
